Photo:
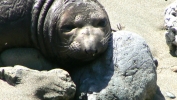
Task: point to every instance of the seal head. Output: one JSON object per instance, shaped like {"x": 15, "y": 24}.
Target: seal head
{"x": 79, "y": 31}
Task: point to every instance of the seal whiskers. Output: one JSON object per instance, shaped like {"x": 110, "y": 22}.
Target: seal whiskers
{"x": 106, "y": 38}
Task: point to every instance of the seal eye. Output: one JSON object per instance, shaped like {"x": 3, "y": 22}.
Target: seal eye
{"x": 67, "y": 28}
{"x": 101, "y": 23}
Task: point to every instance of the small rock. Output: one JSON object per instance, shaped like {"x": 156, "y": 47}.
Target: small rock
{"x": 170, "y": 95}
{"x": 174, "y": 68}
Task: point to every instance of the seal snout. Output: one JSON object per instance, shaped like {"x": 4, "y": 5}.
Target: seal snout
{"x": 91, "y": 51}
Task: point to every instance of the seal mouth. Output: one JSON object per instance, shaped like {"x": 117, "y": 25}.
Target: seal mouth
{"x": 91, "y": 52}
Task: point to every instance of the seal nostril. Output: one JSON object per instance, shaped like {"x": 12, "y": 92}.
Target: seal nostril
{"x": 91, "y": 52}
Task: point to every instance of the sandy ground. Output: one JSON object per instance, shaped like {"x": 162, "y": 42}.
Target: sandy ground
{"x": 145, "y": 17}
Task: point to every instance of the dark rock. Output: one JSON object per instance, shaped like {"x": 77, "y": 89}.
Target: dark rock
{"x": 27, "y": 84}
{"x": 125, "y": 72}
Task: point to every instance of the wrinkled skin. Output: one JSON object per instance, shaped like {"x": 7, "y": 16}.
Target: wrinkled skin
{"x": 67, "y": 31}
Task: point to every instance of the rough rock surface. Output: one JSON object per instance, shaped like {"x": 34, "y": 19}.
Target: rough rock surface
{"x": 170, "y": 20}
{"x": 27, "y": 84}
{"x": 126, "y": 72}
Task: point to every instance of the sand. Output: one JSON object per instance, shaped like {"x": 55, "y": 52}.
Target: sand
{"x": 146, "y": 18}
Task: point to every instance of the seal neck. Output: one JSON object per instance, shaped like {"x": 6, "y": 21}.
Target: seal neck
{"x": 42, "y": 26}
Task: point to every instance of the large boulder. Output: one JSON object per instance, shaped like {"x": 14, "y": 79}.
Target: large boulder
{"x": 20, "y": 83}
{"x": 125, "y": 72}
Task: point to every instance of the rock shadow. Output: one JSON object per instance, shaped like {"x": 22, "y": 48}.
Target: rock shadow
{"x": 95, "y": 76}
{"x": 158, "y": 95}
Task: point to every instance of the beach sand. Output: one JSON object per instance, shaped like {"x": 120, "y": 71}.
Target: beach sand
{"x": 146, "y": 18}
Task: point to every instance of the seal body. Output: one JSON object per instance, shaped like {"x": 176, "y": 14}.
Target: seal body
{"x": 63, "y": 30}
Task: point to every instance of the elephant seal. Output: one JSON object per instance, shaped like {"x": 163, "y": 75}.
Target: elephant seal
{"x": 65, "y": 31}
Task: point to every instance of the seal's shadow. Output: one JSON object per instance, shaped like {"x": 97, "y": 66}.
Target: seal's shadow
{"x": 95, "y": 76}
